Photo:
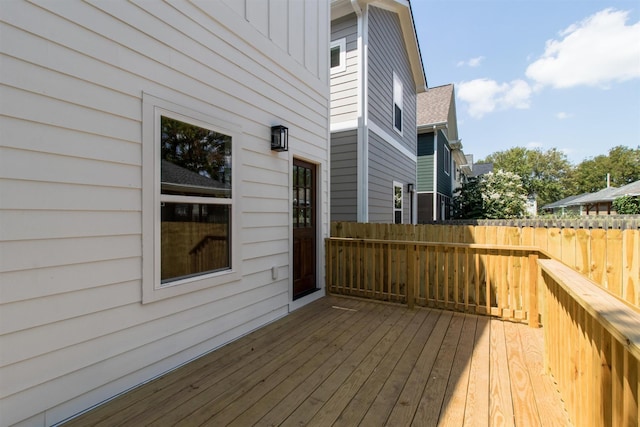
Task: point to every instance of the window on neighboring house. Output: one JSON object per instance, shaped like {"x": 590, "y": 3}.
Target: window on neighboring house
{"x": 447, "y": 160}
{"x": 397, "y": 103}
{"x": 338, "y": 55}
{"x": 188, "y": 202}
{"x": 397, "y": 203}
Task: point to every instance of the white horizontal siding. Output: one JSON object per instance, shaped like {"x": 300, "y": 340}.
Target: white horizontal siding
{"x": 43, "y": 282}
{"x": 218, "y": 78}
{"x": 67, "y": 224}
{"x": 64, "y": 169}
{"x": 35, "y": 195}
{"x": 30, "y": 254}
{"x": 104, "y": 346}
{"x": 72, "y": 79}
{"x": 35, "y": 136}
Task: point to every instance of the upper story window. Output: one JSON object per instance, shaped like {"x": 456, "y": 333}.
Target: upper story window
{"x": 338, "y": 55}
{"x": 447, "y": 160}
{"x": 189, "y": 218}
{"x": 397, "y": 103}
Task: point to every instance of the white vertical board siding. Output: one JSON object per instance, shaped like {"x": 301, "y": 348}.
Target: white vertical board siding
{"x": 73, "y": 330}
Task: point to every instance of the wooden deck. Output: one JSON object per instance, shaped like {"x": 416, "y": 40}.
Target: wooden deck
{"x": 347, "y": 362}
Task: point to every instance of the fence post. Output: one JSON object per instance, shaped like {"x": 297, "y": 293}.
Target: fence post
{"x": 412, "y": 272}
{"x": 533, "y": 291}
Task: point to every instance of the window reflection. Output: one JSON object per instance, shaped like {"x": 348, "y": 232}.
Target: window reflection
{"x": 195, "y": 188}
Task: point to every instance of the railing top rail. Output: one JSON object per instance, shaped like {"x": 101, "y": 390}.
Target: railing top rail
{"x": 444, "y": 244}
{"x": 619, "y": 318}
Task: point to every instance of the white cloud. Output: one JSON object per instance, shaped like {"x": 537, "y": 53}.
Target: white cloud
{"x": 562, "y": 115}
{"x": 533, "y": 145}
{"x": 485, "y": 95}
{"x": 597, "y": 51}
{"x": 473, "y": 62}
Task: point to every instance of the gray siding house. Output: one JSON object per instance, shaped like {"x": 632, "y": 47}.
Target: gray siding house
{"x": 376, "y": 72}
{"x": 442, "y": 165}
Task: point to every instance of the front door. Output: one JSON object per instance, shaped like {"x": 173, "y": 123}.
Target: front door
{"x": 304, "y": 228}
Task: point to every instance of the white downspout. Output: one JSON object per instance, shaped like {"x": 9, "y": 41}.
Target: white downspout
{"x": 362, "y": 175}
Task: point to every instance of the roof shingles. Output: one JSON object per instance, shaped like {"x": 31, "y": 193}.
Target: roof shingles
{"x": 433, "y": 105}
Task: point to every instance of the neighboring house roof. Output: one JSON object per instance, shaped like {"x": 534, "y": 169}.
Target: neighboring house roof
{"x": 563, "y": 202}
{"x": 605, "y": 195}
{"x": 177, "y": 178}
{"x": 632, "y": 189}
{"x": 481, "y": 169}
{"x": 403, "y": 9}
{"x": 609, "y": 194}
{"x": 437, "y": 107}
{"x": 433, "y": 105}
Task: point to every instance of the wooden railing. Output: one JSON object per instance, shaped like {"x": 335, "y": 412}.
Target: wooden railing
{"x": 608, "y": 256}
{"x": 484, "y": 279}
{"x": 592, "y": 348}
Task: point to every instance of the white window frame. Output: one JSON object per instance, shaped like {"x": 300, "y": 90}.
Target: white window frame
{"x": 397, "y": 100}
{"x": 446, "y": 153}
{"x": 397, "y": 184}
{"x": 152, "y": 288}
{"x": 342, "y": 45}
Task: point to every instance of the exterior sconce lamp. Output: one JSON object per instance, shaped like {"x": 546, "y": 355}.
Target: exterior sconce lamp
{"x": 279, "y": 138}
{"x": 410, "y": 188}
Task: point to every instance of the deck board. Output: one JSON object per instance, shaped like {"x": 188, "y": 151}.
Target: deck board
{"x": 524, "y": 406}
{"x": 320, "y": 396}
{"x": 386, "y": 400}
{"x": 428, "y": 411}
{"x": 456, "y": 394}
{"x": 372, "y": 364}
{"x": 404, "y": 411}
{"x": 477, "y": 405}
{"x": 370, "y": 390}
{"x": 500, "y": 399}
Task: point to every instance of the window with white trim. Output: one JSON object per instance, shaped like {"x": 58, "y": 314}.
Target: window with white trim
{"x": 447, "y": 160}
{"x": 397, "y": 103}
{"x": 338, "y": 55}
{"x": 188, "y": 201}
{"x": 397, "y": 202}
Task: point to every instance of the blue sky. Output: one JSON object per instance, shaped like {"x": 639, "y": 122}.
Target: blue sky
{"x": 542, "y": 74}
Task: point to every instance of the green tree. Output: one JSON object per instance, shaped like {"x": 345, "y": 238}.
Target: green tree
{"x": 467, "y": 202}
{"x": 627, "y": 205}
{"x": 491, "y": 196}
{"x": 543, "y": 173}
{"x": 622, "y": 164}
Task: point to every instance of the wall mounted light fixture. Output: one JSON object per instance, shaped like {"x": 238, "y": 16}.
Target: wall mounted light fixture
{"x": 279, "y": 138}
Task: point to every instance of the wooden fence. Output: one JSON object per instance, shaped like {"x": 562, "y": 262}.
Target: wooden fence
{"x": 592, "y": 348}
{"x": 484, "y": 279}
{"x": 610, "y": 257}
